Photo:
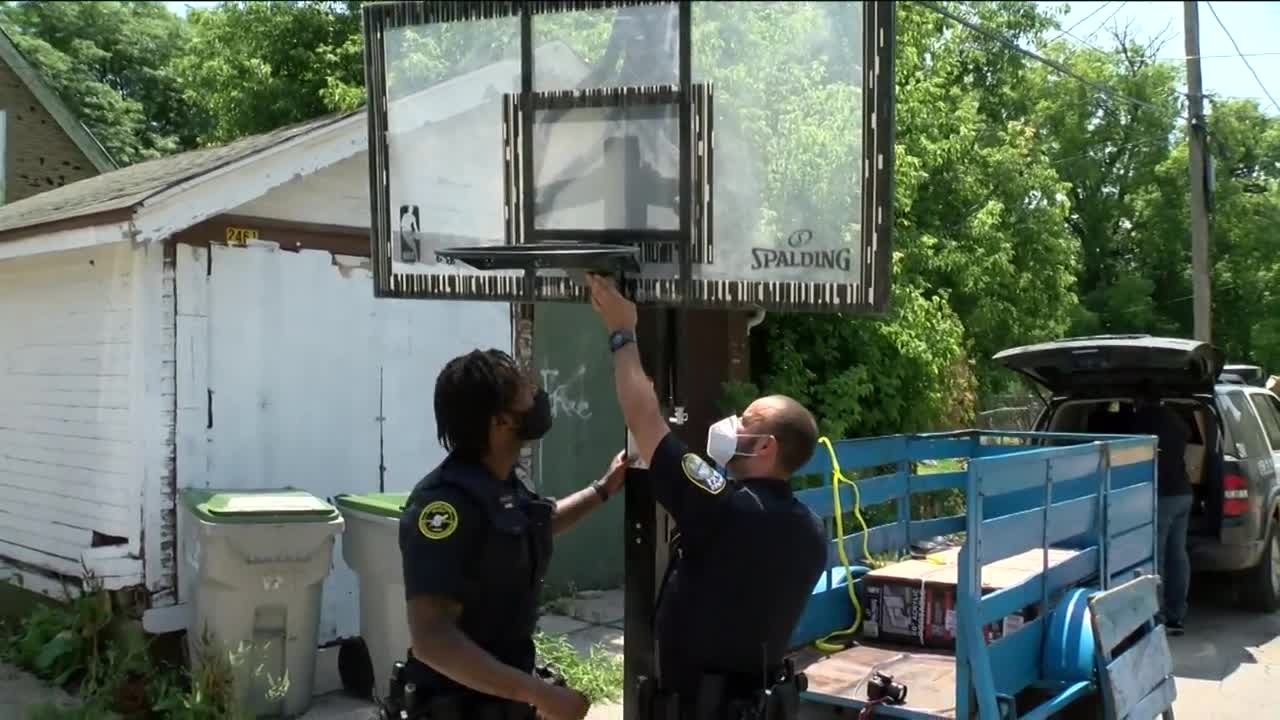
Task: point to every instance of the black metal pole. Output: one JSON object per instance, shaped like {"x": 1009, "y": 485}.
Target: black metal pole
{"x": 660, "y": 334}
{"x": 641, "y": 586}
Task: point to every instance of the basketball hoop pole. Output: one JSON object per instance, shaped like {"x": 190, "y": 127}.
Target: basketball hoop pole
{"x": 662, "y": 330}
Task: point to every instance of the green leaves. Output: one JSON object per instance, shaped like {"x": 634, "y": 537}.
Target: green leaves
{"x": 904, "y": 373}
{"x": 110, "y": 62}
{"x": 252, "y": 67}
{"x": 56, "y": 653}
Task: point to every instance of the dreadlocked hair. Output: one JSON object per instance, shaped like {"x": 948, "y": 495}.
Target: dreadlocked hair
{"x": 470, "y": 391}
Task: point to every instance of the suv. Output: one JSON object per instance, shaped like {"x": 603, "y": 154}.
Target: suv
{"x": 1231, "y": 454}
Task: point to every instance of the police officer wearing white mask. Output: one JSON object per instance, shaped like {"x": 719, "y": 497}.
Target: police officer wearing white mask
{"x": 748, "y": 552}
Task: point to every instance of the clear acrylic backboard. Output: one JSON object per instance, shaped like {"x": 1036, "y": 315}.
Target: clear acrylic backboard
{"x": 745, "y": 149}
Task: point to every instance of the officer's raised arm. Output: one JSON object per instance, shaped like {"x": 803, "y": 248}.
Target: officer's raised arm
{"x": 682, "y": 481}
{"x": 639, "y": 403}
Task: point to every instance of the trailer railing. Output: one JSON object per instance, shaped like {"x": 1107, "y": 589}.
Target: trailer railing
{"x": 1022, "y": 491}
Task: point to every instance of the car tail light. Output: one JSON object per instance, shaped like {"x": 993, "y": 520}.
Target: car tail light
{"x": 1235, "y": 496}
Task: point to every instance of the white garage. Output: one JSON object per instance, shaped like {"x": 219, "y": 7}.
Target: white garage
{"x": 206, "y": 320}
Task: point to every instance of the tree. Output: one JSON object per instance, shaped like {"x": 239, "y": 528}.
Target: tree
{"x": 1108, "y": 147}
{"x": 109, "y": 61}
{"x": 906, "y": 372}
{"x": 252, "y": 67}
{"x": 981, "y": 209}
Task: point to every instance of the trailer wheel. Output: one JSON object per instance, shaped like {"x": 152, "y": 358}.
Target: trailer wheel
{"x": 1263, "y": 581}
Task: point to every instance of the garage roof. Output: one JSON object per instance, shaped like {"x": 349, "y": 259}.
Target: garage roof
{"x": 127, "y": 188}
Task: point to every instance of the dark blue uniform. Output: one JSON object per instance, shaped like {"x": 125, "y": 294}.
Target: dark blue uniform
{"x": 744, "y": 565}
{"x": 485, "y": 544}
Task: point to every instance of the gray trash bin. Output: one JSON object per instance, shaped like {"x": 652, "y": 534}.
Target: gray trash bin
{"x": 258, "y": 560}
{"x": 371, "y": 548}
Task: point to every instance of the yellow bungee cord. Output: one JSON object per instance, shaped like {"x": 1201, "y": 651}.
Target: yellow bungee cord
{"x": 828, "y": 644}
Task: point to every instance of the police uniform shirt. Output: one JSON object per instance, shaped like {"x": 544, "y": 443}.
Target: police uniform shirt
{"x": 748, "y": 557}
{"x": 484, "y": 544}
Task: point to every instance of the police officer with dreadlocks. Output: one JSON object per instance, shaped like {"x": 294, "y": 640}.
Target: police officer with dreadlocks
{"x": 476, "y": 544}
{"x": 748, "y": 553}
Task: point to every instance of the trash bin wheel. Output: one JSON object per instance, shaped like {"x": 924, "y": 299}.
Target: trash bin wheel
{"x": 355, "y": 668}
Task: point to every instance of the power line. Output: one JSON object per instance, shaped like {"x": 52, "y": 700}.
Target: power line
{"x": 1082, "y": 20}
{"x": 1108, "y": 146}
{"x": 1080, "y": 40}
{"x": 1219, "y": 57}
{"x": 1100, "y": 87}
{"x": 1241, "y": 55}
{"x": 1104, "y": 22}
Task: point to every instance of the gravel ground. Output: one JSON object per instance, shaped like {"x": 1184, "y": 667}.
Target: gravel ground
{"x": 19, "y": 692}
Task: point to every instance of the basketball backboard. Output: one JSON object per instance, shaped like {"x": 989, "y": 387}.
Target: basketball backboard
{"x": 744, "y": 149}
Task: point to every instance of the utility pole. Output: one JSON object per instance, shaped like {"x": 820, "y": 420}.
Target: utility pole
{"x": 1200, "y": 285}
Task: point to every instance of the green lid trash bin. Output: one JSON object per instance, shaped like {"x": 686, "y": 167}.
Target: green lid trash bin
{"x": 258, "y": 560}
{"x": 371, "y": 548}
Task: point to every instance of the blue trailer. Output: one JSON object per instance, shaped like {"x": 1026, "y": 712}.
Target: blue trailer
{"x": 1089, "y": 633}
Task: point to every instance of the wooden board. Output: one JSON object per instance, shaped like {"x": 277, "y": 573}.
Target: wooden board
{"x": 1139, "y": 672}
{"x": 1120, "y": 611}
{"x": 930, "y": 676}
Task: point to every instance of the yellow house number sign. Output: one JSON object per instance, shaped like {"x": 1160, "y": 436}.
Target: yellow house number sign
{"x": 240, "y": 236}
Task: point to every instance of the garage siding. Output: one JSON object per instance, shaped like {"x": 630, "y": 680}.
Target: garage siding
{"x": 69, "y": 486}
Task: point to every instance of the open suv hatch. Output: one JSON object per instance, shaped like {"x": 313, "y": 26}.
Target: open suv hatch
{"x": 1230, "y": 457}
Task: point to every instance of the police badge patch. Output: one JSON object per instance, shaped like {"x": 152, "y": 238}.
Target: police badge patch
{"x": 702, "y": 474}
{"x": 438, "y": 520}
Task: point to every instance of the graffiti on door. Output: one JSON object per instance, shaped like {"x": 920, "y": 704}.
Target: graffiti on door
{"x": 567, "y": 392}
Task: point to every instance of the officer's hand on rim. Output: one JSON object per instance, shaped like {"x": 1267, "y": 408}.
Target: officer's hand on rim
{"x": 560, "y": 703}
{"x": 617, "y": 312}
{"x": 617, "y": 474}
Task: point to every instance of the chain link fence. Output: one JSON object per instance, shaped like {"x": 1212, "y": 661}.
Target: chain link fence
{"x": 1010, "y": 412}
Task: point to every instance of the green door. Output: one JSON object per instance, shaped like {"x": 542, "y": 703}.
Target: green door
{"x": 572, "y": 361}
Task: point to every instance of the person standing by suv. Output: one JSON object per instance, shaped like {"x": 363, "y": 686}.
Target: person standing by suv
{"x": 1174, "y": 506}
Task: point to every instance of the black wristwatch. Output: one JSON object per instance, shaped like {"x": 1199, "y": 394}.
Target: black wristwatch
{"x": 598, "y": 486}
{"x": 619, "y": 339}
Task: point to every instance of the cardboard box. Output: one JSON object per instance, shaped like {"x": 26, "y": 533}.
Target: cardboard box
{"x": 914, "y": 601}
{"x": 1032, "y": 560}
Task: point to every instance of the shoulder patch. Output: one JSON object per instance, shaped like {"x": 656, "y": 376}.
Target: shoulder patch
{"x": 702, "y": 474}
{"x": 438, "y": 520}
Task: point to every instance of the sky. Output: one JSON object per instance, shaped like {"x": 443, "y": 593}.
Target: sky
{"x": 1252, "y": 24}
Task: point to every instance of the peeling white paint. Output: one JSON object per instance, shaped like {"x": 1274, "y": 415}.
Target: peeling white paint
{"x": 153, "y": 413}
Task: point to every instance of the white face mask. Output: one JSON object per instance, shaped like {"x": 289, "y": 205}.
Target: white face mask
{"x": 722, "y": 440}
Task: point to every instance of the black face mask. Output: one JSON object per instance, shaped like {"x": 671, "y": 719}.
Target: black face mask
{"x": 536, "y": 421}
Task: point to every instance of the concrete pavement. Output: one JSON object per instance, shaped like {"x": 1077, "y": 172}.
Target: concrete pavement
{"x": 1228, "y": 660}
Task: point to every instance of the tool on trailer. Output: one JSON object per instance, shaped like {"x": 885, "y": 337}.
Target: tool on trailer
{"x": 882, "y": 688}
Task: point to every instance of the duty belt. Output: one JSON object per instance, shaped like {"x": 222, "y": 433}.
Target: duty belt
{"x": 404, "y": 703}
{"x": 723, "y": 697}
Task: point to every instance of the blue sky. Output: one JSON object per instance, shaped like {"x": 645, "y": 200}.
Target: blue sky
{"x": 1254, "y": 25}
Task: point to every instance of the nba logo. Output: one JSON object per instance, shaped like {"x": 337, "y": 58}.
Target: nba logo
{"x": 410, "y": 242}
